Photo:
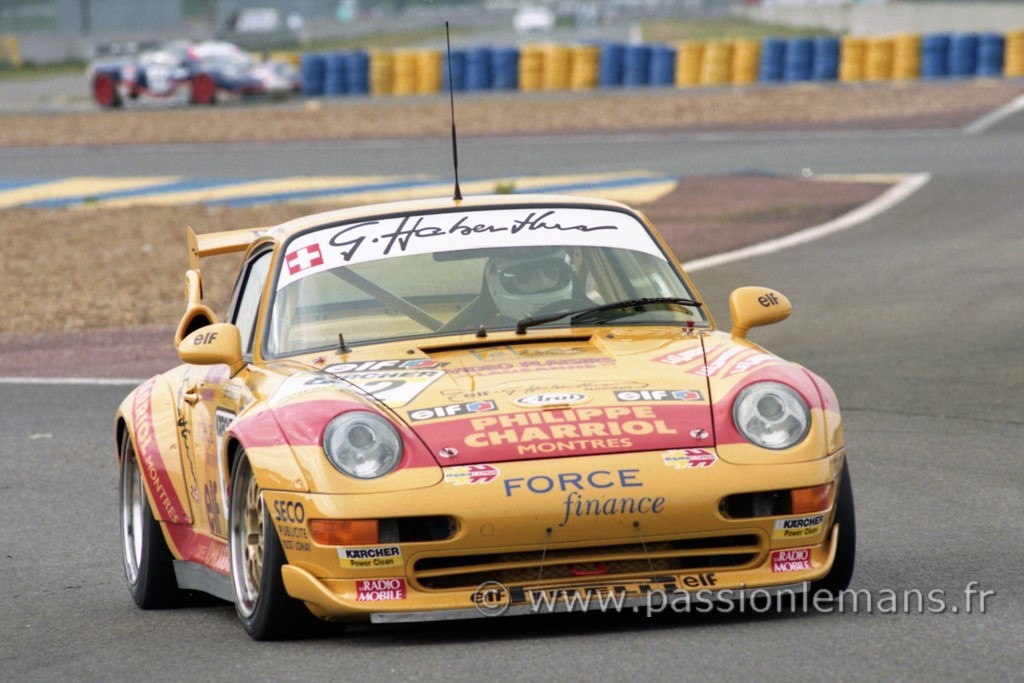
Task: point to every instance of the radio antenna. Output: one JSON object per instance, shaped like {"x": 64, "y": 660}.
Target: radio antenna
{"x": 451, "y": 97}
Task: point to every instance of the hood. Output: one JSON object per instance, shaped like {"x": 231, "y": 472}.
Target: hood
{"x": 547, "y": 397}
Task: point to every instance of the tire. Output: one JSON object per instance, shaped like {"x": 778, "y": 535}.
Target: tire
{"x": 148, "y": 563}
{"x": 104, "y": 90}
{"x": 204, "y": 89}
{"x": 838, "y": 578}
{"x": 264, "y": 608}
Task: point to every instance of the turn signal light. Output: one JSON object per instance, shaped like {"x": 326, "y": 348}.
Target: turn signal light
{"x": 814, "y": 499}
{"x": 344, "y": 531}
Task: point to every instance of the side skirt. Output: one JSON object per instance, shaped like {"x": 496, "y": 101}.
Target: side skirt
{"x": 196, "y": 577}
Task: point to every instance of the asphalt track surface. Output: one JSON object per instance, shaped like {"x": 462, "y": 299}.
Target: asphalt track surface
{"x": 914, "y": 316}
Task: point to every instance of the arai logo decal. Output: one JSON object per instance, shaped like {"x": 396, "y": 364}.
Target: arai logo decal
{"x": 550, "y": 399}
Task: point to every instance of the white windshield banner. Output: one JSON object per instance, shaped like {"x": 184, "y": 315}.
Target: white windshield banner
{"x": 371, "y": 240}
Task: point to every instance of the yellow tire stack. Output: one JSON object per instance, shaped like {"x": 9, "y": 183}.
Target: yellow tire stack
{"x": 717, "y": 63}
{"x": 689, "y": 57}
{"x": 583, "y": 69}
{"x": 531, "y": 67}
{"x": 406, "y": 73}
{"x": 557, "y": 64}
{"x": 1014, "y": 64}
{"x": 428, "y": 72}
{"x": 878, "y": 60}
{"x": 382, "y": 72}
{"x": 906, "y": 57}
{"x": 852, "y": 53}
{"x": 746, "y": 56}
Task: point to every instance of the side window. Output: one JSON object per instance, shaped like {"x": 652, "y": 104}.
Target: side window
{"x": 246, "y": 304}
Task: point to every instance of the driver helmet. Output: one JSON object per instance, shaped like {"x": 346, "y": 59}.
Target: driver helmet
{"x": 522, "y": 281}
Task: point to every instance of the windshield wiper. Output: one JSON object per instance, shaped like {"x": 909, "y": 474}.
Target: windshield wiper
{"x": 629, "y": 307}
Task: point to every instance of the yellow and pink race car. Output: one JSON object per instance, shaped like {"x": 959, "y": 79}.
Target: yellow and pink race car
{"x": 460, "y": 408}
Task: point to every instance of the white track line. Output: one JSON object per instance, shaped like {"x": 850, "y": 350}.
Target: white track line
{"x": 992, "y": 118}
{"x": 894, "y": 195}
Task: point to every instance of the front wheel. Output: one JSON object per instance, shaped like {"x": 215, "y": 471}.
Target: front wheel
{"x": 148, "y": 564}
{"x": 838, "y": 578}
{"x": 264, "y": 607}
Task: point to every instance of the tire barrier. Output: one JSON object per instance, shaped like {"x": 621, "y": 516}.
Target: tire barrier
{"x": 584, "y": 67}
{"x": 852, "y": 54}
{"x": 963, "y": 55}
{"x": 689, "y": 56}
{"x": 746, "y": 57}
{"x": 798, "y": 61}
{"x": 1014, "y": 54}
{"x": 906, "y": 57}
{"x": 688, "y": 64}
{"x": 825, "y": 62}
{"x": 773, "y": 60}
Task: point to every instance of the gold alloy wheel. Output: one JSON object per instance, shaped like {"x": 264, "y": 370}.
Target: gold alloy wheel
{"x": 247, "y": 540}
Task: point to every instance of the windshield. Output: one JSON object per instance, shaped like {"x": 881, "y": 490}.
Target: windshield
{"x": 412, "y": 276}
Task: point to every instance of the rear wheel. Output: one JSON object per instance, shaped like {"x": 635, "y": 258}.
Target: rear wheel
{"x": 104, "y": 89}
{"x": 204, "y": 89}
{"x": 263, "y": 605}
{"x": 148, "y": 564}
{"x": 838, "y": 578}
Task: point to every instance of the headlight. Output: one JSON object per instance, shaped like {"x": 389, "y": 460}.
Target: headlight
{"x": 771, "y": 415}
{"x": 362, "y": 445}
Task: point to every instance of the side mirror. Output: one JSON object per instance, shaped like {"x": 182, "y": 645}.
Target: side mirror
{"x": 215, "y": 344}
{"x": 756, "y": 306}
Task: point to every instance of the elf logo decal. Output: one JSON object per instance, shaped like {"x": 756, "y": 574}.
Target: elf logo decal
{"x": 471, "y": 474}
{"x": 659, "y": 395}
{"x": 453, "y": 409}
{"x": 550, "y": 399}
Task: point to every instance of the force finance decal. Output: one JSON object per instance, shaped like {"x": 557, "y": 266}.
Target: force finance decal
{"x": 798, "y": 527}
{"x": 377, "y": 590}
{"x": 372, "y": 240}
{"x": 589, "y": 494}
{"x": 689, "y": 458}
{"x": 371, "y": 557}
{"x": 471, "y": 474}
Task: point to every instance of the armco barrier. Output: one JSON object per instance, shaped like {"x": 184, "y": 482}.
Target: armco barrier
{"x": 688, "y": 64}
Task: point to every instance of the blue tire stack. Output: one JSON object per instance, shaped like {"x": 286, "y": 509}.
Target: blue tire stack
{"x": 825, "y": 62}
{"x": 798, "y": 62}
{"x": 935, "y": 56}
{"x": 506, "y": 68}
{"x": 609, "y": 72}
{"x": 335, "y": 74}
{"x": 357, "y": 73}
{"x": 479, "y": 68}
{"x": 772, "y": 67}
{"x": 991, "y": 54}
{"x": 663, "y": 65}
{"x": 312, "y": 70}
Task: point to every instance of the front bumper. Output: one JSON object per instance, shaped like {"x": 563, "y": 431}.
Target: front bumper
{"x": 632, "y": 533}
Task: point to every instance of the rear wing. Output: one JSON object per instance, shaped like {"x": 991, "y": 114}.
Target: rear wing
{"x": 198, "y": 314}
{"x": 215, "y": 243}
